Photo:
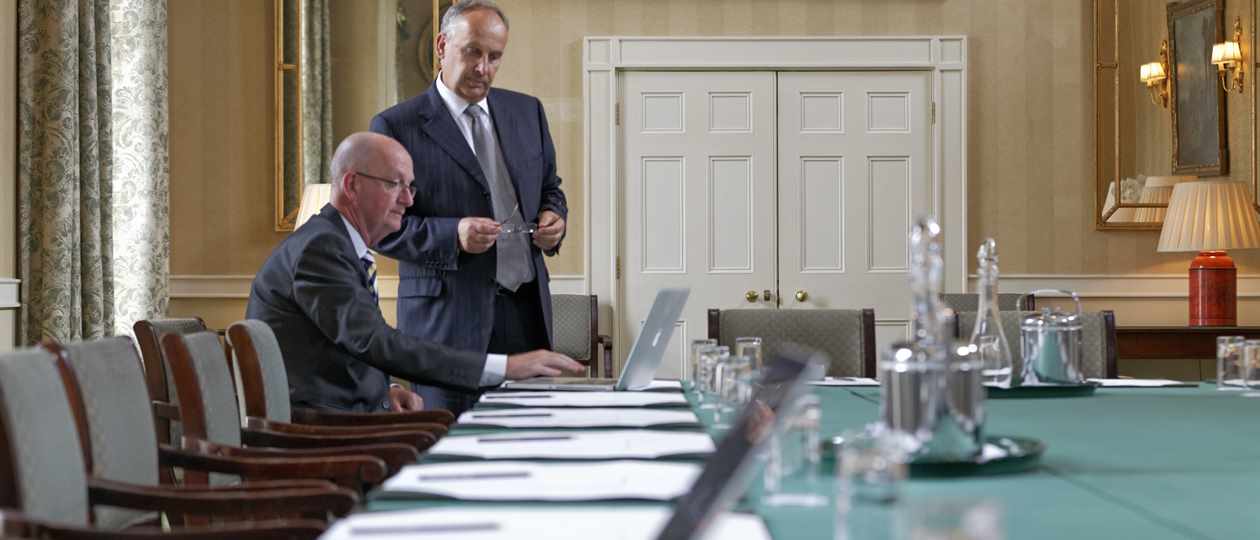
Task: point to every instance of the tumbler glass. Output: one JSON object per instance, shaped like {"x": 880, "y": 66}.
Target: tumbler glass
{"x": 750, "y": 347}
{"x": 794, "y": 458}
{"x": 692, "y": 376}
{"x": 1229, "y": 363}
{"x": 1251, "y": 367}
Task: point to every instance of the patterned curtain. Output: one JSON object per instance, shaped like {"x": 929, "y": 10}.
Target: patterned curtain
{"x": 316, "y": 71}
{"x": 82, "y": 276}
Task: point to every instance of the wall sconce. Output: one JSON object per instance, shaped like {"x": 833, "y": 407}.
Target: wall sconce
{"x": 1227, "y": 57}
{"x": 1155, "y": 76}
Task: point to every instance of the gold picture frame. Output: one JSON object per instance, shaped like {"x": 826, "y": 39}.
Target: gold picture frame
{"x": 1200, "y": 136}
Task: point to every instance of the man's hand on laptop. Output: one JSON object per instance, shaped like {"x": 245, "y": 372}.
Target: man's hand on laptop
{"x": 541, "y": 363}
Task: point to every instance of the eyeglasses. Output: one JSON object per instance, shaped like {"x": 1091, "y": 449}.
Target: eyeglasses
{"x": 515, "y": 224}
{"x": 394, "y": 185}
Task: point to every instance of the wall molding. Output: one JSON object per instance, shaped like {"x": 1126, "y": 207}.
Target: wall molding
{"x": 228, "y": 286}
{"x": 10, "y": 290}
{"x": 1114, "y": 285}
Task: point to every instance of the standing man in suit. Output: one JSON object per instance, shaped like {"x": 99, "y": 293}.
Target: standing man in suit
{"x": 471, "y": 250}
{"x": 317, "y": 291}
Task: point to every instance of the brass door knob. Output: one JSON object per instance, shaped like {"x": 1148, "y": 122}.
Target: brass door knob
{"x": 801, "y": 296}
{"x": 750, "y": 296}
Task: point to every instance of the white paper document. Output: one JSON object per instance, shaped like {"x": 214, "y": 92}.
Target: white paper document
{"x": 663, "y": 385}
{"x": 494, "y": 523}
{"x": 615, "y": 444}
{"x": 533, "y": 481}
{"x": 583, "y": 399}
{"x": 845, "y": 381}
{"x": 1140, "y": 383}
{"x": 579, "y": 418}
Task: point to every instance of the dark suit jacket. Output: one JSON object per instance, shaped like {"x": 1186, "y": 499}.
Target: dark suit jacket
{"x": 338, "y": 349}
{"x": 446, "y": 295}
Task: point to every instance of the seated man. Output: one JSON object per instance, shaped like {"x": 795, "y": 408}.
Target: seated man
{"x": 317, "y": 291}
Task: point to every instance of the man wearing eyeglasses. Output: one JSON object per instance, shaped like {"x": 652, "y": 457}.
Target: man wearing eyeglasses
{"x": 317, "y": 291}
{"x": 471, "y": 250}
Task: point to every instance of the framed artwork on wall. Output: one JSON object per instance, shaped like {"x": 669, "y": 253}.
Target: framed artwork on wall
{"x": 1200, "y": 143}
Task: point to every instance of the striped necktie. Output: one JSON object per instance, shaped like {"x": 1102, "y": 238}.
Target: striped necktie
{"x": 369, "y": 266}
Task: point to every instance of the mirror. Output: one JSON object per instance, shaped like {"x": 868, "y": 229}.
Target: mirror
{"x": 338, "y": 62}
{"x": 1139, "y": 140}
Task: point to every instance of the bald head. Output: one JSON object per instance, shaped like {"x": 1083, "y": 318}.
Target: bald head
{"x": 371, "y": 180}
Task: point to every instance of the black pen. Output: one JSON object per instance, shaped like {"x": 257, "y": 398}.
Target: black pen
{"x": 510, "y": 415}
{"x": 473, "y": 476}
{"x": 514, "y": 396}
{"x": 419, "y": 529}
{"x": 525, "y": 439}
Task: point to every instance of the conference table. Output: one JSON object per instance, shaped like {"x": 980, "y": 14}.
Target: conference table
{"x": 1147, "y": 463}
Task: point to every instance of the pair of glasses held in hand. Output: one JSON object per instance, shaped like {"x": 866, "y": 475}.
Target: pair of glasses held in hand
{"x": 514, "y": 224}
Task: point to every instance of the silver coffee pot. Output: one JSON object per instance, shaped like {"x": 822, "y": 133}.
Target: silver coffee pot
{"x": 1050, "y": 343}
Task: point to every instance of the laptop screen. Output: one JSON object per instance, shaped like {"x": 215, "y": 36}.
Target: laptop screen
{"x": 648, "y": 350}
{"x": 726, "y": 472}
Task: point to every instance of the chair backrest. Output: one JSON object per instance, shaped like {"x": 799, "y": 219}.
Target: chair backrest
{"x": 960, "y": 302}
{"x": 122, "y": 439}
{"x": 41, "y": 462}
{"x": 575, "y": 326}
{"x": 208, "y": 408}
{"x": 846, "y": 335}
{"x": 1098, "y": 339}
{"x": 264, "y": 382}
{"x": 149, "y": 338}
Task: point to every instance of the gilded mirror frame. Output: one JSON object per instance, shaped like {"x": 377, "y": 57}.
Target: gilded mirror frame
{"x": 1107, "y": 85}
{"x": 287, "y": 57}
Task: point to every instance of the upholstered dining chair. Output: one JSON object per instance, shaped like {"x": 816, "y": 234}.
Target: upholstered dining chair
{"x": 211, "y": 418}
{"x": 265, "y": 389}
{"x": 156, "y": 373}
{"x": 1098, "y": 339}
{"x": 847, "y": 336}
{"x": 44, "y": 478}
{"x": 575, "y": 329}
{"x": 960, "y": 302}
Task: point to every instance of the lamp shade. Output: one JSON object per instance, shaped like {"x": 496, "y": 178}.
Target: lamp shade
{"x": 1227, "y": 52}
{"x": 1152, "y": 72}
{"x": 314, "y": 197}
{"x": 1157, "y": 190}
{"x": 1210, "y": 215}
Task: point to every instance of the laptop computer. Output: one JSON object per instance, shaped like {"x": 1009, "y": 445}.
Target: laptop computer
{"x": 645, "y": 356}
{"x": 723, "y": 479}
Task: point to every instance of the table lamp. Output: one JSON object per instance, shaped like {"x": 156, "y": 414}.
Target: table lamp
{"x": 1211, "y": 216}
{"x": 314, "y": 197}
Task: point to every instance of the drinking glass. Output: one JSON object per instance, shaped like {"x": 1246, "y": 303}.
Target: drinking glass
{"x": 795, "y": 456}
{"x": 1229, "y": 362}
{"x": 870, "y": 465}
{"x": 733, "y": 384}
{"x": 949, "y": 519}
{"x": 1251, "y": 367}
{"x": 693, "y": 362}
{"x": 750, "y": 347}
{"x": 710, "y": 375}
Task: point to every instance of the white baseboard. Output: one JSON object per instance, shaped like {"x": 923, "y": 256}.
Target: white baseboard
{"x": 237, "y": 286}
{"x": 1114, "y": 285}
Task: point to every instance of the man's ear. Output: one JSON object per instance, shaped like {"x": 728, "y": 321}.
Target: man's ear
{"x": 349, "y": 184}
{"x": 440, "y": 47}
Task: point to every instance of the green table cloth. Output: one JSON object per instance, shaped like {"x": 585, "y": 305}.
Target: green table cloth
{"x": 1123, "y": 463}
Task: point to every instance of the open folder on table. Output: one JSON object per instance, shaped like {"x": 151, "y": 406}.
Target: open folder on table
{"x": 533, "y": 481}
{"x": 552, "y": 418}
{"x": 698, "y": 514}
{"x": 582, "y": 399}
{"x": 613, "y": 444}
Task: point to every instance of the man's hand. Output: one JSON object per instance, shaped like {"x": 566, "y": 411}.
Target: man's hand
{"x": 477, "y": 234}
{"x": 550, "y": 230}
{"x": 541, "y": 363}
{"x": 402, "y": 399}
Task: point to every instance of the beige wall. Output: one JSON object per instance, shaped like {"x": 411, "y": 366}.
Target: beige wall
{"x": 1030, "y": 114}
{"x": 8, "y": 159}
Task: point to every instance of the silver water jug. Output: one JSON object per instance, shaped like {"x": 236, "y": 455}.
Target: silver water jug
{"x": 936, "y": 407}
{"x": 1050, "y": 343}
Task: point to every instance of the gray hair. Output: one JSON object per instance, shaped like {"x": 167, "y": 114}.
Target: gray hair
{"x": 458, "y": 9}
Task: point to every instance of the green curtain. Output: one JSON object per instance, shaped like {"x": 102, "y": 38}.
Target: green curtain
{"x": 92, "y": 165}
{"x": 316, "y": 71}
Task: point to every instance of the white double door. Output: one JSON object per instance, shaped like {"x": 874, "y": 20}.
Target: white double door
{"x": 771, "y": 190}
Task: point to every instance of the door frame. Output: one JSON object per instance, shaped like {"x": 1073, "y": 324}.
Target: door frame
{"x": 606, "y": 58}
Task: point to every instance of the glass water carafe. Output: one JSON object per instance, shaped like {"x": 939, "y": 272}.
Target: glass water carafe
{"x": 987, "y": 338}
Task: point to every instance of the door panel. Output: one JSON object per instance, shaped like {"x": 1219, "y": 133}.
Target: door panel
{"x": 698, "y": 171}
{"x": 854, "y": 170}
